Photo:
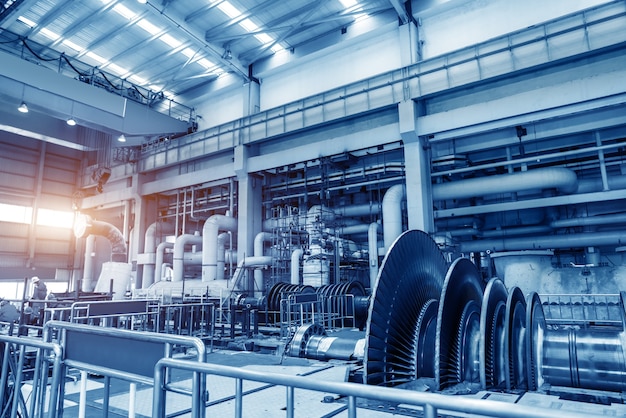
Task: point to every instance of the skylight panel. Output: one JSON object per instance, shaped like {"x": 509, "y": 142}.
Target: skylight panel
{"x": 72, "y": 45}
{"x": 96, "y": 57}
{"x": 230, "y": 10}
{"x": 27, "y": 21}
{"x": 170, "y": 40}
{"x": 206, "y": 63}
{"x": 124, "y": 11}
{"x": 248, "y": 25}
{"x": 49, "y": 34}
{"x": 135, "y": 79}
{"x": 348, "y": 3}
{"x": 117, "y": 69}
{"x": 188, "y": 52}
{"x": 146, "y": 25}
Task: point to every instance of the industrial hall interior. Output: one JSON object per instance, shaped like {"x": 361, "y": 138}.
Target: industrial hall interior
{"x": 312, "y": 208}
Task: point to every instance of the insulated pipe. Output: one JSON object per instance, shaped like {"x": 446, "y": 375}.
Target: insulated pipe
{"x": 88, "y": 283}
{"x": 179, "y": 254}
{"x": 158, "y": 262}
{"x": 259, "y": 240}
{"x": 249, "y": 262}
{"x": 296, "y": 258}
{"x": 518, "y": 230}
{"x": 587, "y": 239}
{"x": 590, "y": 220}
{"x": 85, "y": 226}
{"x": 392, "y": 213}
{"x": 563, "y": 179}
{"x": 221, "y": 254}
{"x": 210, "y": 231}
{"x": 357, "y": 210}
{"x": 149, "y": 249}
{"x": 372, "y": 242}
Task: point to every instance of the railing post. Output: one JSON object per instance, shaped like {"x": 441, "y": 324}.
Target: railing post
{"x": 238, "y": 398}
{"x": 290, "y": 402}
{"x": 351, "y": 407}
{"x": 430, "y": 411}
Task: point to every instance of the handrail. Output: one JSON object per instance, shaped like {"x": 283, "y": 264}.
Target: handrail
{"x": 400, "y": 84}
{"x": 40, "y": 377}
{"x": 431, "y": 402}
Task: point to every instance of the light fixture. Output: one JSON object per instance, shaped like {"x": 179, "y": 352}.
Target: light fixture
{"x": 142, "y": 1}
{"x": 71, "y": 121}
{"x": 121, "y": 138}
{"x": 23, "y": 108}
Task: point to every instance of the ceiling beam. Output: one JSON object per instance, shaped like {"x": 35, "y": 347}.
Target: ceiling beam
{"x": 401, "y": 11}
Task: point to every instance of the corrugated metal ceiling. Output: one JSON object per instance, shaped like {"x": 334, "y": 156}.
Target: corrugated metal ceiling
{"x": 175, "y": 46}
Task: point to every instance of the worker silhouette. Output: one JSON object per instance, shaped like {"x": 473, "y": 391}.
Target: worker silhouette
{"x": 37, "y": 304}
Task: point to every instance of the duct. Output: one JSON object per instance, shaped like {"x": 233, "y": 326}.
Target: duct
{"x": 210, "y": 231}
{"x": 563, "y": 179}
{"x": 296, "y": 258}
{"x": 392, "y": 213}
{"x": 149, "y": 248}
{"x": 85, "y": 226}
{"x": 595, "y": 185}
{"x": 372, "y": 241}
{"x": 158, "y": 262}
{"x": 179, "y": 253}
{"x": 88, "y": 283}
{"x": 588, "y": 239}
{"x": 615, "y": 218}
{"x": 221, "y": 254}
{"x": 521, "y": 230}
{"x": 351, "y": 229}
{"x": 247, "y": 262}
{"x": 357, "y": 210}
{"x": 259, "y": 240}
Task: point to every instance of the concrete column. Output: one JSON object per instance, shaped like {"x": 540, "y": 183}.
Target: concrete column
{"x": 249, "y": 204}
{"x": 417, "y": 166}
{"x": 251, "y": 98}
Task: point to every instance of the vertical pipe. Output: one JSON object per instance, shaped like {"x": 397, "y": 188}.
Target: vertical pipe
{"x": 106, "y": 396}
{"x": 351, "y": 407}
{"x": 238, "y": 398}
{"x": 82, "y": 402}
{"x": 605, "y": 180}
{"x": 132, "y": 397}
{"x": 290, "y": 402}
{"x": 430, "y": 411}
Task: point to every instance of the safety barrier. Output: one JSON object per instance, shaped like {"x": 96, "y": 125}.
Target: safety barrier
{"x": 48, "y": 362}
{"x": 430, "y": 403}
{"x": 117, "y": 353}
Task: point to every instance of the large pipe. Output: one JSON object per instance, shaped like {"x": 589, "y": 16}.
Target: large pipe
{"x": 259, "y": 240}
{"x": 563, "y": 179}
{"x": 392, "y": 213}
{"x": 221, "y": 254}
{"x": 296, "y": 258}
{"x": 245, "y": 263}
{"x": 615, "y": 218}
{"x": 588, "y": 239}
{"x": 372, "y": 241}
{"x": 179, "y": 254}
{"x": 149, "y": 249}
{"x": 89, "y": 283}
{"x": 210, "y": 231}
{"x": 158, "y": 261}
{"x": 85, "y": 226}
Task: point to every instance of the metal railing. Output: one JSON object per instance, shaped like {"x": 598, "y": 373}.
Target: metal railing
{"x": 431, "y": 403}
{"x": 15, "y": 372}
